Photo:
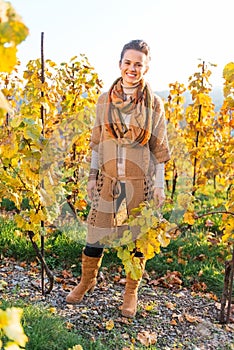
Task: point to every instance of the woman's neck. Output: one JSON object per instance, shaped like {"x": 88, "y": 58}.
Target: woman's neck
{"x": 128, "y": 90}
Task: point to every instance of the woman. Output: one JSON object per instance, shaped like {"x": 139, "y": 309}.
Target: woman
{"x": 129, "y": 148}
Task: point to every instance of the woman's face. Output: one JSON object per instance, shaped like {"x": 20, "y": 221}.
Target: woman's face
{"x": 133, "y": 66}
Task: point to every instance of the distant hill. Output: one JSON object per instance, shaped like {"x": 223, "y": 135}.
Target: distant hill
{"x": 216, "y": 95}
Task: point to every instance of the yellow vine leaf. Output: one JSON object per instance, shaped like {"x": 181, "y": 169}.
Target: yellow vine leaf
{"x": 76, "y": 347}
{"x": 147, "y": 248}
{"x": 189, "y": 218}
{"x": 184, "y": 200}
{"x": 134, "y": 268}
{"x": 31, "y": 174}
{"x": 144, "y": 228}
{"x": 9, "y": 58}
{"x": 47, "y": 198}
{"x": 123, "y": 254}
{"x": 16, "y": 121}
{"x": 12, "y": 33}
{"x": 153, "y": 232}
{"x": 4, "y": 104}
{"x": 19, "y": 221}
{"x": 15, "y": 197}
{"x": 11, "y": 325}
{"x": 9, "y": 146}
{"x": 228, "y": 72}
{"x": 228, "y": 226}
{"x": 33, "y": 132}
{"x": 164, "y": 239}
{"x": 36, "y": 218}
{"x": 131, "y": 264}
{"x": 126, "y": 238}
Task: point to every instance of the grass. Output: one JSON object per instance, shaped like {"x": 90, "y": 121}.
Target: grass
{"x": 197, "y": 253}
{"x": 48, "y": 331}
{"x": 12, "y": 244}
{"x": 197, "y": 258}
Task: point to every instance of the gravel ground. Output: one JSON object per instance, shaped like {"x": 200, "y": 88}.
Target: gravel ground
{"x": 168, "y": 318}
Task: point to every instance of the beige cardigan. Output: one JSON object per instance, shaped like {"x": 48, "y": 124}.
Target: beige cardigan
{"x": 139, "y": 168}
{"x": 140, "y": 160}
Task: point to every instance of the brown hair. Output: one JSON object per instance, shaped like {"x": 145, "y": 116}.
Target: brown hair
{"x": 138, "y": 45}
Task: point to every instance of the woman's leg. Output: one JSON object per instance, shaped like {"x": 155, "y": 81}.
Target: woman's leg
{"x": 135, "y": 195}
{"x": 91, "y": 262}
{"x": 93, "y": 251}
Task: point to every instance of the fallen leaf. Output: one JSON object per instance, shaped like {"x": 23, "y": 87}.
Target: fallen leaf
{"x": 101, "y": 276}
{"x": 200, "y": 257}
{"x": 123, "y": 320}
{"x": 120, "y": 269}
{"x": 178, "y": 316}
{"x": 66, "y": 274}
{"x": 211, "y": 296}
{"x": 209, "y": 223}
{"x": 52, "y": 310}
{"x": 191, "y": 318}
{"x": 199, "y": 286}
{"x": 170, "y": 280}
{"x": 182, "y": 261}
{"x": 116, "y": 278}
{"x": 110, "y": 325}
{"x": 3, "y": 284}
{"x": 23, "y": 264}
{"x": 125, "y": 336}
{"x": 179, "y": 252}
{"x": 229, "y": 327}
{"x": 69, "y": 325}
{"x": 146, "y": 338}
{"x": 150, "y": 306}
{"x": 126, "y": 348}
{"x": 58, "y": 279}
{"x": 170, "y": 305}
{"x": 122, "y": 281}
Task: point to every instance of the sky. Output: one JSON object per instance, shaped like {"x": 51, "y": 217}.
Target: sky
{"x": 180, "y": 33}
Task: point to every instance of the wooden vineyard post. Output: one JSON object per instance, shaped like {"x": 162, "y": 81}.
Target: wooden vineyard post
{"x": 226, "y": 300}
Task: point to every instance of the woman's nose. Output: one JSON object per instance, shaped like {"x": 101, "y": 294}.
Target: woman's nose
{"x": 132, "y": 67}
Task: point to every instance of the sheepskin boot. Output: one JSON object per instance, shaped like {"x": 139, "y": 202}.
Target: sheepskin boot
{"x": 129, "y": 307}
{"x": 90, "y": 267}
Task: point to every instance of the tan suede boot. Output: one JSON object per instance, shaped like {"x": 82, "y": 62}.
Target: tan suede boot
{"x": 90, "y": 267}
{"x": 129, "y": 307}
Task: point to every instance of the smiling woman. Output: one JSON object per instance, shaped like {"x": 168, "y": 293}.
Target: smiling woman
{"x": 134, "y": 64}
{"x": 129, "y": 148}
{"x": 133, "y": 67}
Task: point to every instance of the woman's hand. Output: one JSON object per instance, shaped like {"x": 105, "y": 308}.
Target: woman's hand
{"x": 159, "y": 196}
{"x": 90, "y": 188}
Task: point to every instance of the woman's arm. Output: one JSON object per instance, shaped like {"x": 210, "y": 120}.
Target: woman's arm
{"x": 92, "y": 174}
{"x": 159, "y": 194}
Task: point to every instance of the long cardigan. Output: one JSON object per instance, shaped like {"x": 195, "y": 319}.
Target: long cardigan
{"x": 140, "y": 163}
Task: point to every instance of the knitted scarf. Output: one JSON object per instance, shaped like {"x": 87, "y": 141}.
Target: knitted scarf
{"x": 140, "y": 108}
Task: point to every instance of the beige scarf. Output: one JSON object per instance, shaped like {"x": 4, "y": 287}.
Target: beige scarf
{"x": 140, "y": 108}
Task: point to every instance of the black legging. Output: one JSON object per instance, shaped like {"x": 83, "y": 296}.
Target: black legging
{"x": 96, "y": 250}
